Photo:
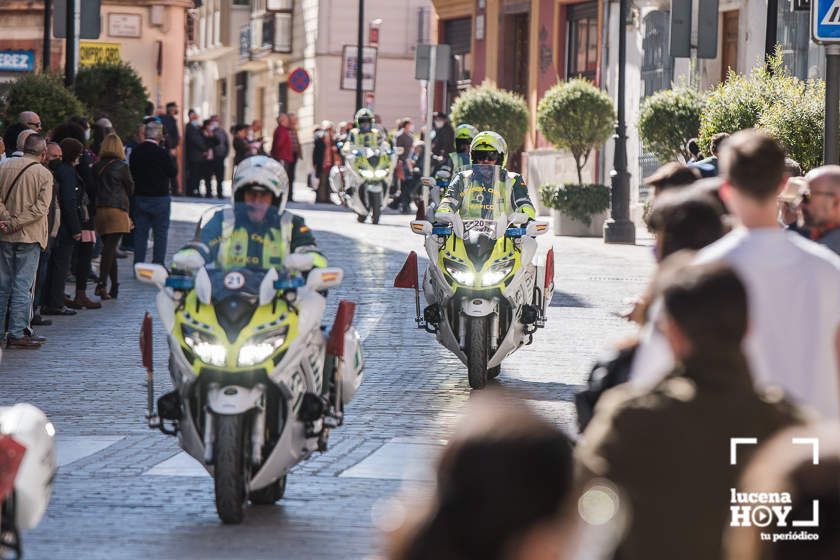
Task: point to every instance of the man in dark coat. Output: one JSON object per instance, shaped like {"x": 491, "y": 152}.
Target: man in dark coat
{"x": 197, "y": 147}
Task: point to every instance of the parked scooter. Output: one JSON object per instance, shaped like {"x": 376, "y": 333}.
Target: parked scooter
{"x": 27, "y": 470}
{"x": 258, "y": 383}
{"x": 486, "y": 289}
{"x": 362, "y": 182}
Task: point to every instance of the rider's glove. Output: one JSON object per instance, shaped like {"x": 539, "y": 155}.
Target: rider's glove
{"x": 300, "y": 262}
{"x": 428, "y": 181}
{"x": 187, "y": 260}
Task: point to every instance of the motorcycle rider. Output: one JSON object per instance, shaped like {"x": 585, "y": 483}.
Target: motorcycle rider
{"x": 258, "y": 232}
{"x": 460, "y": 158}
{"x": 364, "y": 135}
{"x": 488, "y": 149}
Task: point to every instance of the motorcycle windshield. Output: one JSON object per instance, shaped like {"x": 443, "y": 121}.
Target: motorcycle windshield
{"x": 245, "y": 235}
{"x": 483, "y": 197}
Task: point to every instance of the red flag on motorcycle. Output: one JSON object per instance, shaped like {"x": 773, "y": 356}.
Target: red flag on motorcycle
{"x": 11, "y": 455}
{"x": 146, "y": 341}
{"x": 343, "y": 320}
{"x": 549, "y": 268}
{"x": 407, "y": 277}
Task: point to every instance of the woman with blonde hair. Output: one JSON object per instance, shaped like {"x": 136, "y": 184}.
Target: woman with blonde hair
{"x": 114, "y": 186}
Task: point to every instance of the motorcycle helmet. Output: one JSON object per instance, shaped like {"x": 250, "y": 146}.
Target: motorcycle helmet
{"x": 464, "y": 134}
{"x": 488, "y": 142}
{"x": 261, "y": 173}
{"x": 364, "y": 116}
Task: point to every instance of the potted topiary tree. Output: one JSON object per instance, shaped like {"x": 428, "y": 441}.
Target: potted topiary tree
{"x": 115, "y": 91}
{"x": 46, "y": 95}
{"x": 668, "y": 119}
{"x": 578, "y": 117}
{"x": 487, "y": 107}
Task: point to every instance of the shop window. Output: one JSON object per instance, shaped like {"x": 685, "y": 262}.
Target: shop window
{"x": 583, "y": 41}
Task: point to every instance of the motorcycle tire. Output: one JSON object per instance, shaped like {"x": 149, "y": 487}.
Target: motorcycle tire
{"x": 478, "y": 349}
{"x": 375, "y": 207}
{"x": 229, "y": 472}
{"x": 270, "y": 494}
{"x": 494, "y": 372}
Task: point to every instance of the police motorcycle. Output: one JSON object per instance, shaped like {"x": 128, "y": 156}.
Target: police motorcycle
{"x": 27, "y": 470}
{"x": 259, "y": 383}
{"x": 486, "y": 289}
{"x": 362, "y": 182}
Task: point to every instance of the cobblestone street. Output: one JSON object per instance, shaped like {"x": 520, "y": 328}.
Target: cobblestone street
{"x": 124, "y": 492}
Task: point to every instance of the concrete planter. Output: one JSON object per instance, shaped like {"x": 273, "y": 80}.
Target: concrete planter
{"x": 566, "y": 225}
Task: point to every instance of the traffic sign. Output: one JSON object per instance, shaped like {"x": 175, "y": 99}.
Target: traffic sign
{"x": 825, "y": 21}
{"x": 90, "y": 21}
{"x": 299, "y": 80}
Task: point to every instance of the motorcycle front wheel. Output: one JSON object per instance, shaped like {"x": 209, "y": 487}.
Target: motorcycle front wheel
{"x": 375, "y": 207}
{"x": 478, "y": 350}
{"x": 229, "y": 472}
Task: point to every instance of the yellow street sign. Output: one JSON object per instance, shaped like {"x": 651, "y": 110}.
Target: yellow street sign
{"x": 91, "y": 52}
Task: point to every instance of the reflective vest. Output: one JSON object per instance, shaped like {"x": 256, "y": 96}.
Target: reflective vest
{"x": 459, "y": 161}
{"x": 235, "y": 247}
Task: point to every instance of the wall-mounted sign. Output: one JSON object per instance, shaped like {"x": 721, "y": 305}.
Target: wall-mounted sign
{"x": 17, "y": 61}
{"x": 348, "y": 68}
{"x": 125, "y": 25}
{"x": 91, "y": 53}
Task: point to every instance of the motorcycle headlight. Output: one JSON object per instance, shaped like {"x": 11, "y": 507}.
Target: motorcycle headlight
{"x": 459, "y": 272}
{"x": 259, "y": 348}
{"x": 496, "y": 274}
{"x": 381, "y": 173}
{"x": 366, "y": 173}
{"x": 204, "y": 345}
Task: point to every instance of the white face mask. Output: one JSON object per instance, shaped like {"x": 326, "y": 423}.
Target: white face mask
{"x": 87, "y": 134}
{"x": 439, "y": 123}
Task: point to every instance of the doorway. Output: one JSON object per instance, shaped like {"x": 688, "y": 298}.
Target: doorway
{"x": 514, "y": 71}
{"x": 729, "y": 44}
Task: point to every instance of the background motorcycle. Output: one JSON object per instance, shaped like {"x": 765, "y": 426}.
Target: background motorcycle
{"x": 27, "y": 469}
{"x": 362, "y": 183}
{"x": 485, "y": 287}
{"x": 258, "y": 385}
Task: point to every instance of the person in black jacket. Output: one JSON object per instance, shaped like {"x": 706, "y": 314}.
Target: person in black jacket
{"x": 171, "y": 139}
{"x": 152, "y": 170}
{"x": 197, "y": 147}
{"x": 71, "y": 200}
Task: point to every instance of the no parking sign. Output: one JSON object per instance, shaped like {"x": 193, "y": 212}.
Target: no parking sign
{"x": 299, "y": 80}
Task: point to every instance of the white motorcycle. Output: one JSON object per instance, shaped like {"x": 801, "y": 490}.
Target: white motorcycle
{"x": 486, "y": 288}
{"x": 27, "y": 470}
{"x": 258, "y": 383}
{"x": 363, "y": 182}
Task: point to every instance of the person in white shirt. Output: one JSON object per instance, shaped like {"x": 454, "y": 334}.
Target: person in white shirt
{"x": 793, "y": 285}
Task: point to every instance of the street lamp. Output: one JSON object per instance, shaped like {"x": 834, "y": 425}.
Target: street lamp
{"x": 618, "y": 228}
{"x": 359, "y": 53}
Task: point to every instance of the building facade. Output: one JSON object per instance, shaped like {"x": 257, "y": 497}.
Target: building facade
{"x": 241, "y": 55}
{"x": 22, "y": 39}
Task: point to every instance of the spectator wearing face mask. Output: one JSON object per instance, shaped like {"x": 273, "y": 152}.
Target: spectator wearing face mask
{"x": 443, "y": 137}
{"x": 220, "y": 154}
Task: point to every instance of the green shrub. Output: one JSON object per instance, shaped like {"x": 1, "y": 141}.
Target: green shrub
{"x": 488, "y": 108}
{"x": 116, "y": 91}
{"x": 580, "y": 201}
{"x": 576, "y": 116}
{"x": 46, "y": 95}
{"x": 668, "y": 120}
{"x": 798, "y": 123}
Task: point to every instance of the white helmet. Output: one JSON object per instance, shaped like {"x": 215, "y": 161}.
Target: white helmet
{"x": 261, "y": 172}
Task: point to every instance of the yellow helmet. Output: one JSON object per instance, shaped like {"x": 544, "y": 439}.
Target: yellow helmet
{"x": 489, "y": 141}
{"x": 465, "y": 132}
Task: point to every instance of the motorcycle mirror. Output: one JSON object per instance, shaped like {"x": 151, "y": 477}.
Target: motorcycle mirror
{"x": 407, "y": 277}
{"x": 536, "y": 228}
{"x": 154, "y": 274}
{"x": 421, "y": 227}
{"x": 321, "y": 279}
